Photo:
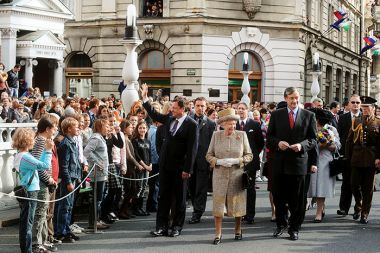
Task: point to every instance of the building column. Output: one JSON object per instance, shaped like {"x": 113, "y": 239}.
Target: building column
{"x": 8, "y": 47}
{"x": 58, "y": 78}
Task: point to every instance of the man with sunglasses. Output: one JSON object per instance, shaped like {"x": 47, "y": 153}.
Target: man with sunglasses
{"x": 344, "y": 126}
{"x": 363, "y": 151}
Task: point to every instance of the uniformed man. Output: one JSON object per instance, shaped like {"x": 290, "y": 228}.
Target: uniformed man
{"x": 363, "y": 147}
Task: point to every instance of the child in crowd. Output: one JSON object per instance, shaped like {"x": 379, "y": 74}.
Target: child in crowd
{"x": 86, "y": 130}
{"x": 96, "y": 155}
{"x": 110, "y": 204}
{"x": 27, "y": 165}
{"x": 141, "y": 145}
{"x": 69, "y": 173}
{"x": 46, "y": 129}
{"x": 132, "y": 165}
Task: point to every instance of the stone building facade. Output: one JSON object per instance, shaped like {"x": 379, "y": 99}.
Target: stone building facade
{"x": 31, "y": 33}
{"x": 195, "y": 47}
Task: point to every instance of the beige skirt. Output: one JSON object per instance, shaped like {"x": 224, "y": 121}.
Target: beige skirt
{"x": 227, "y": 191}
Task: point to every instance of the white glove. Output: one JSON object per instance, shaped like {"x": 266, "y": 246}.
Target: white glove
{"x": 233, "y": 161}
{"x": 223, "y": 162}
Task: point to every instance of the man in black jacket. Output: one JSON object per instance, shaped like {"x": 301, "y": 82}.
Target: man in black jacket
{"x": 177, "y": 156}
{"x": 256, "y": 142}
{"x": 198, "y": 183}
{"x": 291, "y": 135}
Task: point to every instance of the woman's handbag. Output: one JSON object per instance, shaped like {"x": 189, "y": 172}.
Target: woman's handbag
{"x": 247, "y": 180}
{"x": 337, "y": 165}
{"x": 22, "y": 191}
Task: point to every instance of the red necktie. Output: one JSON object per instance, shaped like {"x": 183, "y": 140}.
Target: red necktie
{"x": 291, "y": 119}
{"x": 242, "y": 125}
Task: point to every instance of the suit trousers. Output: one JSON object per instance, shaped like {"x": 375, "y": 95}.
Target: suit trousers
{"x": 289, "y": 189}
{"x": 172, "y": 194}
{"x": 251, "y": 202}
{"x": 362, "y": 182}
{"x": 346, "y": 192}
{"x": 198, "y": 185}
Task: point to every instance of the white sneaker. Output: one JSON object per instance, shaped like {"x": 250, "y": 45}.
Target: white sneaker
{"x": 78, "y": 227}
{"x": 264, "y": 178}
{"x": 75, "y": 230}
{"x": 258, "y": 179}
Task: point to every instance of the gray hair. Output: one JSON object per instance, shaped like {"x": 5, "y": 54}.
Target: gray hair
{"x": 289, "y": 91}
{"x": 317, "y": 100}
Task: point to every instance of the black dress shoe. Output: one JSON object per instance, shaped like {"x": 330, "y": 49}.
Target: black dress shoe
{"x": 293, "y": 235}
{"x": 356, "y": 216}
{"x": 194, "y": 220}
{"x": 175, "y": 233}
{"x": 159, "y": 232}
{"x": 363, "y": 220}
{"x": 217, "y": 240}
{"x": 341, "y": 212}
{"x": 239, "y": 237}
{"x": 249, "y": 221}
{"x": 278, "y": 231}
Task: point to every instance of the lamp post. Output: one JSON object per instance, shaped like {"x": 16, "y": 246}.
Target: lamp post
{"x": 315, "y": 73}
{"x": 130, "y": 73}
{"x": 245, "y": 87}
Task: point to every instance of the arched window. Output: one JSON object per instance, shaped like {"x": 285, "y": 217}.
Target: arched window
{"x": 79, "y": 60}
{"x": 155, "y": 71}
{"x": 235, "y": 78}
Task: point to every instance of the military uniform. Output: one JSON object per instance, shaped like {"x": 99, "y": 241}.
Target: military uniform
{"x": 363, "y": 147}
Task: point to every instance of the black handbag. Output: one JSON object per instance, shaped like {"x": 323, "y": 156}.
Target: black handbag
{"x": 22, "y": 190}
{"x": 337, "y": 165}
{"x": 247, "y": 180}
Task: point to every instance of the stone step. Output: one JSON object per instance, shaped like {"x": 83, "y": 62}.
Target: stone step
{"x": 9, "y": 217}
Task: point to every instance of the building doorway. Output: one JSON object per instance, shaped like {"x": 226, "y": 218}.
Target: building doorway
{"x": 155, "y": 71}
{"x": 235, "y": 78}
{"x": 79, "y": 74}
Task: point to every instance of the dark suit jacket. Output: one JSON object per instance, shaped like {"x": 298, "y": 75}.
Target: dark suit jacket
{"x": 256, "y": 142}
{"x": 304, "y": 132}
{"x": 205, "y": 130}
{"x": 344, "y": 126}
{"x": 177, "y": 152}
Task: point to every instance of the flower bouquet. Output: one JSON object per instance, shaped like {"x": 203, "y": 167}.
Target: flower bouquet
{"x": 325, "y": 136}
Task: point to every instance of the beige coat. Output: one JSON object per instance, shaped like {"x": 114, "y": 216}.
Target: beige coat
{"x": 227, "y": 182}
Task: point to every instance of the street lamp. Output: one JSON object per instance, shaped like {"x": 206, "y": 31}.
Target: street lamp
{"x": 317, "y": 71}
{"x": 245, "y": 87}
{"x": 130, "y": 73}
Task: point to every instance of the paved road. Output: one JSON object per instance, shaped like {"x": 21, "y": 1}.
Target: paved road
{"x": 335, "y": 234}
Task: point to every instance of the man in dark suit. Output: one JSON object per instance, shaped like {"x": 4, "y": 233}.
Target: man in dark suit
{"x": 198, "y": 183}
{"x": 344, "y": 126}
{"x": 334, "y": 109}
{"x": 256, "y": 142}
{"x": 177, "y": 156}
{"x": 291, "y": 135}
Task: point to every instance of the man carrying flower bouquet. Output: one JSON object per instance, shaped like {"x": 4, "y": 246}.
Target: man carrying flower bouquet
{"x": 363, "y": 147}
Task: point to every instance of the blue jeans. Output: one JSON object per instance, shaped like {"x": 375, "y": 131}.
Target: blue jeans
{"x": 28, "y": 209}
{"x": 64, "y": 211}
{"x": 14, "y": 92}
{"x": 99, "y": 198}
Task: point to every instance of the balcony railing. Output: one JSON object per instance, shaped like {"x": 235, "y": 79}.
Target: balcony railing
{"x": 8, "y": 179}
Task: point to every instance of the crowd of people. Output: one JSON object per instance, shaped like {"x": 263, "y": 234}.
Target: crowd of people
{"x": 176, "y": 151}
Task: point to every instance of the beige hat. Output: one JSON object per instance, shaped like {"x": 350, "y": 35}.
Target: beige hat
{"x": 226, "y": 115}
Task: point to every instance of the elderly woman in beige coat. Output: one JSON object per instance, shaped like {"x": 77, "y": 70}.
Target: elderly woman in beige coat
{"x": 228, "y": 152}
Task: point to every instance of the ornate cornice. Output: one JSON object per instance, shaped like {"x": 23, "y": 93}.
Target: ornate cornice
{"x": 28, "y": 45}
{"x": 29, "y": 14}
